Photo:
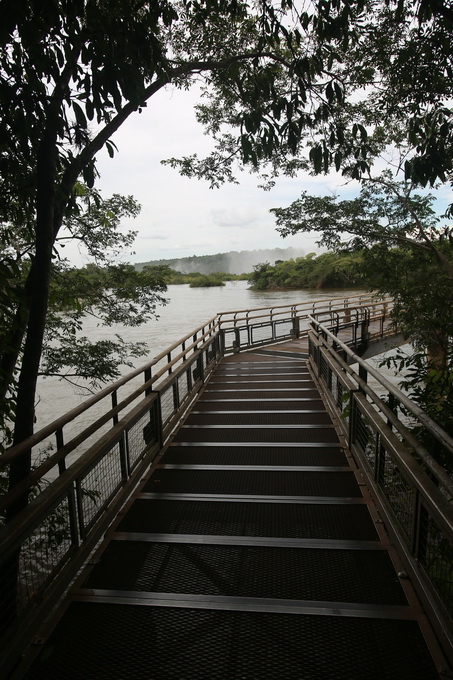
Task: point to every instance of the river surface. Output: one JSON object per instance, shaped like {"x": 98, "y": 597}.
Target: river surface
{"x": 187, "y": 308}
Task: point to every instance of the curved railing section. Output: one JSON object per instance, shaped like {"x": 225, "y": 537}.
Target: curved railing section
{"x": 245, "y": 329}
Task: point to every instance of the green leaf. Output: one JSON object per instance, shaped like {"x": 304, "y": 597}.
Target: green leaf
{"x": 79, "y": 114}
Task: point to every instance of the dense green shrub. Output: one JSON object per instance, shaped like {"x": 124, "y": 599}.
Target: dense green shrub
{"x": 329, "y": 270}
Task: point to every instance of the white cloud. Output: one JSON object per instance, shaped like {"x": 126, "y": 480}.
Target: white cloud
{"x": 226, "y": 217}
{"x": 181, "y": 216}
{"x": 152, "y": 237}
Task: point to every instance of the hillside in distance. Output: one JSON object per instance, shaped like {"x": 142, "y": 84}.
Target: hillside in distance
{"x": 233, "y": 262}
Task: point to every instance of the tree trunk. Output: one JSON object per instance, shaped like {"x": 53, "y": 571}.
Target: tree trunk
{"x": 37, "y": 298}
{"x": 13, "y": 344}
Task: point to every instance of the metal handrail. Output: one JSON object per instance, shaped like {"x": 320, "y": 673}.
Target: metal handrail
{"x": 57, "y": 424}
{"x": 412, "y": 491}
{"x": 427, "y": 422}
{"x": 318, "y": 305}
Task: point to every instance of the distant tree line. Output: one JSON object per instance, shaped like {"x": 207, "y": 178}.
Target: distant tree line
{"x": 329, "y": 270}
{"x": 232, "y": 262}
{"x": 198, "y": 280}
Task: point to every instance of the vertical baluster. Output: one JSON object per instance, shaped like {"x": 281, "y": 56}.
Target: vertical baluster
{"x": 148, "y": 377}
{"x": 114, "y": 405}
{"x": 176, "y": 401}
{"x": 80, "y": 513}
{"x": 124, "y": 462}
{"x": 72, "y": 505}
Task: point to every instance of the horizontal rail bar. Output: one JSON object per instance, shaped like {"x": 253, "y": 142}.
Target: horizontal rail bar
{"x": 428, "y": 422}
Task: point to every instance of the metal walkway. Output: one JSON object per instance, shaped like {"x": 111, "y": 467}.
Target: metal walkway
{"x": 251, "y": 551}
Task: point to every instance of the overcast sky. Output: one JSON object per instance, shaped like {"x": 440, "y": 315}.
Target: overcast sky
{"x": 180, "y": 216}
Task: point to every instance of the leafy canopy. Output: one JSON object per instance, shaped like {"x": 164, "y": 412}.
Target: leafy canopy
{"x": 352, "y": 78}
{"x": 71, "y": 72}
{"x": 112, "y": 293}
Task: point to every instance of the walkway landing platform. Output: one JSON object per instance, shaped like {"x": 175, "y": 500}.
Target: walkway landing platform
{"x": 251, "y": 551}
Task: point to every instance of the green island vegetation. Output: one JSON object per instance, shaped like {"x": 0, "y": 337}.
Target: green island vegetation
{"x": 328, "y": 270}
{"x": 207, "y": 281}
{"x": 198, "y": 280}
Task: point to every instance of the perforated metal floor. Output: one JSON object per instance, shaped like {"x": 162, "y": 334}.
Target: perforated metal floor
{"x": 121, "y": 642}
{"x": 255, "y": 455}
{"x": 250, "y": 571}
{"x": 268, "y": 419}
{"x": 258, "y": 393}
{"x": 256, "y": 434}
{"x": 329, "y": 521}
{"x": 239, "y": 404}
{"x": 249, "y": 553}
{"x": 254, "y": 482}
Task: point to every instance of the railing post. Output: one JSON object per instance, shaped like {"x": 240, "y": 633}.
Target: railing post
{"x": 392, "y": 406}
{"x": 363, "y": 373}
{"x": 115, "y": 418}
{"x": 222, "y": 342}
{"x": 364, "y": 335}
{"x": 148, "y": 376}
{"x": 72, "y": 509}
{"x": 416, "y": 524}
{"x": 200, "y": 367}
{"x": 72, "y": 505}
{"x": 379, "y": 465}
{"x": 420, "y": 529}
{"x": 176, "y": 395}
{"x": 347, "y": 313}
{"x": 295, "y": 331}
{"x": 124, "y": 457}
{"x": 124, "y": 463}
{"x": 218, "y": 345}
{"x": 352, "y": 417}
{"x": 80, "y": 514}
{"x": 157, "y": 413}
{"x": 189, "y": 378}
{"x": 237, "y": 340}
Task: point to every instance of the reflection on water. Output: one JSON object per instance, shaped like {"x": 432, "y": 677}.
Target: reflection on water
{"x": 187, "y": 309}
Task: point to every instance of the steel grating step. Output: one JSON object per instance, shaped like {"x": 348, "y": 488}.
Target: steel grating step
{"x": 252, "y": 360}
{"x": 368, "y": 576}
{"x": 259, "y": 418}
{"x": 261, "y": 384}
{"x": 254, "y": 468}
{"x": 254, "y": 455}
{"x": 302, "y": 355}
{"x": 259, "y": 372}
{"x": 162, "y": 642}
{"x": 267, "y": 405}
{"x": 327, "y": 521}
{"x": 260, "y": 482}
{"x": 277, "y": 380}
{"x": 257, "y": 394}
{"x": 273, "y": 435}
